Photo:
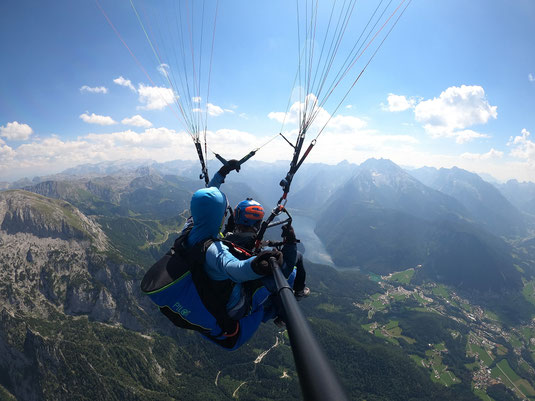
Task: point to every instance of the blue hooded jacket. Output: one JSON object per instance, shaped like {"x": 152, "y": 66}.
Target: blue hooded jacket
{"x": 185, "y": 300}
{"x": 208, "y": 207}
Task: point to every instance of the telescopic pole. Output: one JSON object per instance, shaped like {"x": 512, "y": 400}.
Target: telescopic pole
{"x": 316, "y": 376}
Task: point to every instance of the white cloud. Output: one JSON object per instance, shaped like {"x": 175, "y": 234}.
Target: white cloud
{"x": 6, "y": 153}
{"x": 124, "y": 82}
{"x": 164, "y": 69}
{"x": 130, "y": 141}
{"x": 277, "y": 116}
{"x": 296, "y": 110}
{"x": 45, "y": 156}
{"x": 137, "y": 121}
{"x": 98, "y": 89}
{"x": 456, "y": 109}
{"x": 16, "y": 131}
{"x": 523, "y": 148}
{"x": 96, "y": 119}
{"x": 465, "y": 136}
{"x": 531, "y": 77}
{"x": 214, "y": 110}
{"x": 491, "y": 154}
{"x": 234, "y": 143}
{"x": 349, "y": 106}
{"x": 346, "y": 124}
{"x": 341, "y": 129}
{"x": 344, "y": 138}
{"x": 155, "y": 97}
{"x": 196, "y": 99}
{"x": 53, "y": 154}
{"x": 399, "y": 103}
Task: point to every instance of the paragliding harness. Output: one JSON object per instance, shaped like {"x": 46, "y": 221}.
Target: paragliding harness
{"x": 184, "y": 293}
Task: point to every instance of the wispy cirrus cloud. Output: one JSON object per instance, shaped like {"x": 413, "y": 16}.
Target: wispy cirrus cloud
{"x": 97, "y": 119}
{"x": 15, "y": 131}
{"x": 97, "y": 89}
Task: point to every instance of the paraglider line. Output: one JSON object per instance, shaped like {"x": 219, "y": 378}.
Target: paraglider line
{"x": 124, "y": 43}
{"x": 366, "y": 66}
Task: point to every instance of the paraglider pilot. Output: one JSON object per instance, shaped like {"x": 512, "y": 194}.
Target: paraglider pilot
{"x": 246, "y": 221}
{"x": 201, "y": 285}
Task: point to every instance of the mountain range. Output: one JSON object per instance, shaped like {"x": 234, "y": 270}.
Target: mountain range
{"x": 484, "y": 202}
{"x": 74, "y": 325}
{"x": 520, "y": 194}
{"x": 375, "y": 216}
{"x": 384, "y": 219}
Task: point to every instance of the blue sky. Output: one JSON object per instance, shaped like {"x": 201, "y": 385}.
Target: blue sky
{"x": 453, "y": 85}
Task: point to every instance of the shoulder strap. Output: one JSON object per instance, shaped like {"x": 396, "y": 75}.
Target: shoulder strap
{"x": 214, "y": 294}
{"x": 237, "y": 251}
{"x": 242, "y": 240}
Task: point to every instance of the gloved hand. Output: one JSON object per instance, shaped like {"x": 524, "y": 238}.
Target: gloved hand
{"x": 260, "y": 264}
{"x": 288, "y": 234}
{"x": 232, "y": 164}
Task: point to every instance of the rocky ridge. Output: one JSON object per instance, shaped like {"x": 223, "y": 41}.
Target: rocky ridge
{"x": 56, "y": 264}
{"x": 22, "y": 211}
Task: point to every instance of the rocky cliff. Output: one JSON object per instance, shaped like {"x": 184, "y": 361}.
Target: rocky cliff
{"x": 56, "y": 264}
{"x": 42, "y": 217}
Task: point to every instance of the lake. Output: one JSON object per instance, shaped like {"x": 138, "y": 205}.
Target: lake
{"x": 314, "y": 249}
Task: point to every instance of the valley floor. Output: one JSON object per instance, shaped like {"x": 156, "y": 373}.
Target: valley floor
{"x": 493, "y": 345}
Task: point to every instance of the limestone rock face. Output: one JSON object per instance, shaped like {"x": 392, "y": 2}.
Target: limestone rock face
{"x": 54, "y": 259}
{"x": 105, "y": 306}
{"x": 22, "y": 211}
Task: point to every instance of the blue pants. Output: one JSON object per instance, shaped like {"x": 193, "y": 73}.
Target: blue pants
{"x": 262, "y": 309}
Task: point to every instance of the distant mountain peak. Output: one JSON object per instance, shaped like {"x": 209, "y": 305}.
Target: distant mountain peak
{"x": 384, "y": 173}
{"x": 380, "y": 164}
{"x": 485, "y": 203}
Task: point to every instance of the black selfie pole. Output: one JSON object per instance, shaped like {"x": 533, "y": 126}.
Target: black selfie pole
{"x": 317, "y": 379}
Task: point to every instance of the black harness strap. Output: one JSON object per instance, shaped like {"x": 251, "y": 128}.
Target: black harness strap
{"x": 214, "y": 294}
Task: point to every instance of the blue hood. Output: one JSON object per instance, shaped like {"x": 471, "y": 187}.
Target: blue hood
{"x": 207, "y": 209}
